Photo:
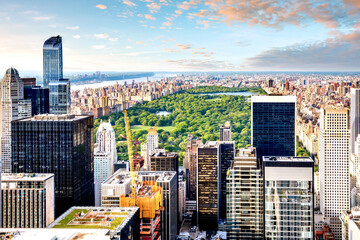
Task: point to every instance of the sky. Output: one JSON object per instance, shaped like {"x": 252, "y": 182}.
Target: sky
{"x": 191, "y": 35}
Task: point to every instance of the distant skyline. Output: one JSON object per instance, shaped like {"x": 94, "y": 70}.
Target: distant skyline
{"x": 193, "y": 35}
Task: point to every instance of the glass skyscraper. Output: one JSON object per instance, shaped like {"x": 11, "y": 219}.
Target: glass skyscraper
{"x": 288, "y": 198}
{"x": 60, "y": 98}
{"x": 273, "y": 125}
{"x": 52, "y": 60}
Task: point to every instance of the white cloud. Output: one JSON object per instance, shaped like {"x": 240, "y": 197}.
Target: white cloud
{"x": 113, "y": 39}
{"x": 101, "y": 6}
{"x": 129, "y": 3}
{"x": 98, "y": 47}
{"x": 128, "y": 47}
{"x": 41, "y": 18}
{"x": 101, "y": 35}
{"x": 76, "y": 36}
{"x": 73, "y": 28}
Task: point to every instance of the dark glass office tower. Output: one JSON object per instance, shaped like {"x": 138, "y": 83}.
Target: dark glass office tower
{"x": 207, "y": 188}
{"x": 59, "y": 144}
{"x": 226, "y": 157}
{"x": 273, "y": 125}
{"x": 39, "y": 97}
{"x": 60, "y": 98}
{"x": 52, "y": 60}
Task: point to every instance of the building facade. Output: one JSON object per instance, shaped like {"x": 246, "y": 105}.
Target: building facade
{"x": 39, "y": 97}
{"x": 62, "y": 145}
{"x": 52, "y": 60}
{"x": 164, "y": 161}
{"x": 60, "y": 96}
{"x": 334, "y": 159}
{"x": 28, "y": 200}
{"x": 225, "y": 131}
{"x": 106, "y": 140}
{"x": 103, "y": 169}
{"x": 288, "y": 198}
{"x": 244, "y": 217}
{"x": 190, "y": 163}
{"x": 354, "y": 117}
{"x": 13, "y": 106}
{"x": 273, "y": 125}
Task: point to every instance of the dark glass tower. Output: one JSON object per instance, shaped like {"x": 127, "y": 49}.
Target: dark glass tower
{"x": 59, "y": 144}
{"x": 52, "y": 60}
{"x": 273, "y": 125}
{"x": 39, "y": 99}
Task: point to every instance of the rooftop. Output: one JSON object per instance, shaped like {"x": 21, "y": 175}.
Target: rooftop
{"x": 164, "y": 154}
{"x": 53, "y": 42}
{"x": 121, "y": 177}
{"x": 290, "y": 99}
{"x": 54, "y": 117}
{"x": 287, "y": 159}
{"x": 12, "y": 71}
{"x": 25, "y": 176}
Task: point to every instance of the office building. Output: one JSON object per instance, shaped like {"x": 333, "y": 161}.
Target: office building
{"x": 354, "y": 117}
{"x": 52, "y": 60}
{"x": 60, "y": 98}
{"x": 39, "y": 97}
{"x": 334, "y": 159}
{"x": 273, "y": 125}
{"x": 152, "y": 143}
{"x": 28, "y": 200}
{"x": 106, "y": 140}
{"x": 207, "y": 202}
{"x": 226, "y": 154}
{"x": 103, "y": 169}
{"x": 190, "y": 160}
{"x": 347, "y": 217}
{"x": 225, "y": 131}
{"x": 164, "y": 161}
{"x": 182, "y": 192}
{"x": 116, "y": 189}
{"x": 29, "y": 82}
{"x": 288, "y": 198}
{"x": 62, "y": 145}
{"x": 244, "y": 185}
{"x": 13, "y": 106}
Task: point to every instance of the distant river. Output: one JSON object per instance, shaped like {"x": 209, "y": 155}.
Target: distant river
{"x": 157, "y": 76}
{"x": 229, "y": 93}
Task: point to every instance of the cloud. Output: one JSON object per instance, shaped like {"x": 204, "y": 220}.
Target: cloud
{"x": 101, "y": 35}
{"x": 178, "y": 12}
{"x": 187, "y": 5}
{"x": 113, "y": 39}
{"x": 129, "y": 3}
{"x": 73, "y": 28}
{"x": 243, "y": 43}
{"x": 183, "y": 46}
{"x": 276, "y": 13}
{"x": 76, "y": 36}
{"x": 128, "y": 47}
{"x": 41, "y": 18}
{"x": 52, "y": 26}
{"x": 201, "y": 65}
{"x": 140, "y": 42}
{"x": 154, "y": 7}
{"x": 98, "y": 47}
{"x": 339, "y": 53}
{"x": 206, "y": 23}
{"x": 101, "y": 6}
{"x": 150, "y": 17}
{"x": 168, "y": 24}
{"x": 133, "y": 54}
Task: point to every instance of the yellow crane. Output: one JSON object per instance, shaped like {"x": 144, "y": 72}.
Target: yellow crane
{"x": 133, "y": 172}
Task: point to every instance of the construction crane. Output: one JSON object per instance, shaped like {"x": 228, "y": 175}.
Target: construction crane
{"x": 133, "y": 172}
{"x": 136, "y": 143}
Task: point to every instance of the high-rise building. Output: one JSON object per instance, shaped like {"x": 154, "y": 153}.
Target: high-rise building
{"x": 207, "y": 187}
{"x": 226, "y": 153}
{"x": 13, "y": 106}
{"x": 52, "y": 60}
{"x": 103, "y": 169}
{"x": 225, "y": 131}
{"x": 29, "y": 82}
{"x": 354, "y": 117}
{"x": 60, "y": 97}
{"x": 106, "y": 140}
{"x": 118, "y": 186}
{"x": 244, "y": 217}
{"x": 288, "y": 198}
{"x": 271, "y": 83}
{"x": 164, "y": 161}
{"x": 152, "y": 142}
{"x": 59, "y": 144}
{"x": 334, "y": 166}
{"x": 28, "y": 200}
{"x": 190, "y": 159}
{"x": 273, "y": 125}
{"x": 39, "y": 97}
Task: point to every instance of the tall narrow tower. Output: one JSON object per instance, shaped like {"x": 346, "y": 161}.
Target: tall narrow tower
{"x": 334, "y": 166}
{"x": 52, "y": 60}
{"x": 354, "y": 117}
{"x": 105, "y": 138}
{"x": 225, "y": 131}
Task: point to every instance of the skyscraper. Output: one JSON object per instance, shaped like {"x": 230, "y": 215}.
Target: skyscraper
{"x": 244, "y": 197}
{"x": 288, "y": 198}
{"x": 60, "y": 97}
{"x": 354, "y": 117}
{"x": 273, "y": 125}
{"x": 103, "y": 169}
{"x": 39, "y": 97}
{"x": 225, "y": 131}
{"x": 28, "y": 200}
{"x": 190, "y": 160}
{"x": 59, "y": 144}
{"x": 152, "y": 142}
{"x": 207, "y": 187}
{"x": 164, "y": 161}
{"x": 106, "y": 140}
{"x": 52, "y": 60}
{"x": 13, "y": 106}
{"x": 334, "y": 166}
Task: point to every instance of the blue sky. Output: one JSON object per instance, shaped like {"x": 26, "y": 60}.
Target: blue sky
{"x": 192, "y": 35}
